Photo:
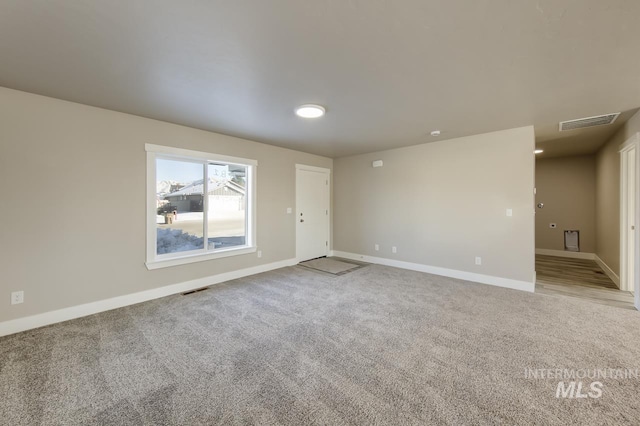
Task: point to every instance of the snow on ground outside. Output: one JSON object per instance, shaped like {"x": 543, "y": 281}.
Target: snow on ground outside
{"x": 186, "y": 232}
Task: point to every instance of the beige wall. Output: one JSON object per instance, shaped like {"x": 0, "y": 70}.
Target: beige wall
{"x": 442, "y": 204}
{"x": 608, "y": 195}
{"x": 74, "y": 178}
{"x": 567, "y": 187}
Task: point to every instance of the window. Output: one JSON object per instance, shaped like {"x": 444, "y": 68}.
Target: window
{"x": 200, "y": 206}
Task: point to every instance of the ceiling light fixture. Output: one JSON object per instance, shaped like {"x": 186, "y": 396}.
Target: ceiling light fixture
{"x": 310, "y": 111}
{"x": 538, "y": 151}
{"x": 435, "y": 133}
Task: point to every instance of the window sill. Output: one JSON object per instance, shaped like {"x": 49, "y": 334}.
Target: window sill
{"x": 193, "y": 258}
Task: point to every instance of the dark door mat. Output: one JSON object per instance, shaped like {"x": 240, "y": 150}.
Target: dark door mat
{"x": 332, "y": 265}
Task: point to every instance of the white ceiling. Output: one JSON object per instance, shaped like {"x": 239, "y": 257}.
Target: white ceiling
{"x": 388, "y": 72}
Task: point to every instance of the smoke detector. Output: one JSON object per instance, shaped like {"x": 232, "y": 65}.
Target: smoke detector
{"x": 582, "y": 123}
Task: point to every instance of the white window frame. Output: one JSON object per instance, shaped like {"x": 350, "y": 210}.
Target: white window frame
{"x": 154, "y": 260}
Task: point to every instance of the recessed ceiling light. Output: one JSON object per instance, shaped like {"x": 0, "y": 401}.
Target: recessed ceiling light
{"x": 538, "y": 151}
{"x": 310, "y": 111}
{"x": 435, "y": 133}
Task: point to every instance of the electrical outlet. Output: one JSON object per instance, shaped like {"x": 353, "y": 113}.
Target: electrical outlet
{"x": 478, "y": 260}
{"x": 394, "y": 249}
{"x": 377, "y": 247}
{"x": 289, "y": 210}
{"x": 259, "y": 253}
{"x": 17, "y": 297}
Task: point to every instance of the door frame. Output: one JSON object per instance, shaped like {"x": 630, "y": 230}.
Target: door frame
{"x": 625, "y": 220}
{"x": 327, "y": 172}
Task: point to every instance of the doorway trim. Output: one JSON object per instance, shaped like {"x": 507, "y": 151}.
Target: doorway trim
{"x": 626, "y": 221}
{"x": 327, "y": 172}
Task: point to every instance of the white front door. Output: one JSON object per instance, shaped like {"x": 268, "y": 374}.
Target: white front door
{"x": 631, "y": 210}
{"x": 630, "y": 215}
{"x": 312, "y": 212}
{"x": 632, "y": 226}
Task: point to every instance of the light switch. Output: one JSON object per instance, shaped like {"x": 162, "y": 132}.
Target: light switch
{"x": 509, "y": 212}
{"x": 289, "y": 210}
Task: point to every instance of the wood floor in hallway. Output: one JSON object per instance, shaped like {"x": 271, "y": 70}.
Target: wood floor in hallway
{"x": 579, "y": 278}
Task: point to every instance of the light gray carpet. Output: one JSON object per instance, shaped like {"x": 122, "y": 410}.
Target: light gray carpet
{"x": 330, "y": 265}
{"x": 376, "y": 346}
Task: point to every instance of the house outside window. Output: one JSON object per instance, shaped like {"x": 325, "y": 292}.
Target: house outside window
{"x": 201, "y": 206}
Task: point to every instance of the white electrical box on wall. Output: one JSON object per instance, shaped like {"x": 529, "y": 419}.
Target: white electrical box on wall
{"x": 377, "y": 163}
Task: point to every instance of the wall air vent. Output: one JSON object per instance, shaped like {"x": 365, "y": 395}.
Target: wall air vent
{"x": 583, "y": 123}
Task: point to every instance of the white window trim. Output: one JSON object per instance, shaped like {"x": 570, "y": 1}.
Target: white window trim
{"x": 153, "y": 262}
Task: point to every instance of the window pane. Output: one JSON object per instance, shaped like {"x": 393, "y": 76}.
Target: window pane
{"x": 227, "y": 200}
{"x": 180, "y": 221}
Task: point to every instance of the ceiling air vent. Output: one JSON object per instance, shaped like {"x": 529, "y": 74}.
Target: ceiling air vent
{"x": 582, "y": 123}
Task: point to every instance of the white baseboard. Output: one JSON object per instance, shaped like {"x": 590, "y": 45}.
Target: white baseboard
{"x": 452, "y": 273}
{"x": 52, "y": 317}
{"x": 564, "y": 253}
{"x": 607, "y": 270}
